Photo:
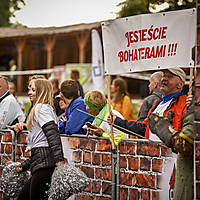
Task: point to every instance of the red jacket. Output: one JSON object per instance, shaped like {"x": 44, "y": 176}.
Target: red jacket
{"x": 178, "y": 105}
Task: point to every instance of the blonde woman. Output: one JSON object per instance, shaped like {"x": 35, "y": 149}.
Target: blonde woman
{"x": 96, "y": 104}
{"x": 43, "y": 141}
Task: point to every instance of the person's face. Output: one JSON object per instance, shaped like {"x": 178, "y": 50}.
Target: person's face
{"x": 11, "y": 88}
{"x": 113, "y": 87}
{"x": 170, "y": 83}
{"x": 3, "y": 86}
{"x": 66, "y": 100}
{"x": 92, "y": 112}
{"x": 152, "y": 85}
{"x": 62, "y": 104}
{"x": 32, "y": 91}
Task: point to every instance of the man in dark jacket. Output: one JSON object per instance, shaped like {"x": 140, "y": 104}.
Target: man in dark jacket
{"x": 155, "y": 93}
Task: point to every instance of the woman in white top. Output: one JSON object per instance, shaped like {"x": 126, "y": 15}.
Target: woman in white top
{"x": 43, "y": 141}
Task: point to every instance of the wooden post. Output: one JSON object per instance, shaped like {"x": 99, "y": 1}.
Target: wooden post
{"x": 82, "y": 40}
{"x": 109, "y": 104}
{"x": 20, "y": 43}
{"x": 49, "y": 43}
{"x": 191, "y": 80}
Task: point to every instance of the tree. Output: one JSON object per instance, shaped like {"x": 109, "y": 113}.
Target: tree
{"x": 7, "y": 10}
{"x": 135, "y": 7}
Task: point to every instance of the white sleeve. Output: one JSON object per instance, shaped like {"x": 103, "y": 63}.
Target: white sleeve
{"x": 4, "y": 107}
{"x": 45, "y": 114}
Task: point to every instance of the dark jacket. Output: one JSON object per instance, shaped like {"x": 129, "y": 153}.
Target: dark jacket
{"x": 178, "y": 105}
{"x": 147, "y": 104}
{"x": 42, "y": 157}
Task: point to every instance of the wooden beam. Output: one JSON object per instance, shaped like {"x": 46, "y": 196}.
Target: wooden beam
{"x": 49, "y": 43}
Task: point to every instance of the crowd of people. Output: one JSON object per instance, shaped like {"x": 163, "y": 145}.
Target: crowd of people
{"x": 166, "y": 116}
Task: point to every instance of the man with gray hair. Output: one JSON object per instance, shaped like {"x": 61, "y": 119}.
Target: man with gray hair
{"x": 155, "y": 93}
{"x": 11, "y": 112}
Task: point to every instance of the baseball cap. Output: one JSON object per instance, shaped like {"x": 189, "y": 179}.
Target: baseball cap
{"x": 178, "y": 72}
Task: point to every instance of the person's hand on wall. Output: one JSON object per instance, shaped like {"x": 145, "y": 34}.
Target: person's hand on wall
{"x": 95, "y": 130}
{"x": 18, "y": 127}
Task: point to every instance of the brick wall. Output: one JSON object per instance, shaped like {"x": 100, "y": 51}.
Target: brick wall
{"x": 135, "y": 168}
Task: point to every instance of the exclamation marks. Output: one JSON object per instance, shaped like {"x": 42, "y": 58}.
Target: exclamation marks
{"x": 172, "y": 49}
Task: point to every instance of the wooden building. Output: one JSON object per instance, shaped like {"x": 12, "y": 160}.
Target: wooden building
{"x": 41, "y": 48}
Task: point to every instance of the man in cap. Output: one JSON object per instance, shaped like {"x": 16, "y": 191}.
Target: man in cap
{"x": 172, "y": 83}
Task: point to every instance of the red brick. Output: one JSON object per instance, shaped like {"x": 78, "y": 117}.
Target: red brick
{"x": 157, "y": 165}
{"x": 7, "y": 137}
{"x": 155, "y": 195}
{"x": 87, "y": 157}
{"x": 96, "y": 158}
{"x": 8, "y": 149}
{"x": 103, "y": 198}
{"x": 22, "y": 138}
{"x": 123, "y": 194}
{"x": 133, "y": 163}
{"x": 107, "y": 188}
{"x": 134, "y": 194}
{"x": 127, "y": 147}
{"x": 5, "y": 159}
{"x": 197, "y": 151}
{"x": 87, "y": 144}
{"x": 144, "y": 180}
{"x": 106, "y": 159}
{"x": 123, "y": 162}
{"x": 84, "y": 197}
{"x": 96, "y": 187}
{"x": 166, "y": 151}
{"x": 88, "y": 188}
{"x": 77, "y": 156}
{"x": 197, "y": 171}
{"x": 145, "y": 194}
{"x": 148, "y": 149}
{"x": 197, "y": 190}
{"x": 88, "y": 171}
{"x": 145, "y": 164}
{"x": 105, "y": 174}
{"x": 104, "y": 145}
{"x": 2, "y": 148}
{"x": 126, "y": 178}
{"x": 18, "y": 152}
{"x": 73, "y": 141}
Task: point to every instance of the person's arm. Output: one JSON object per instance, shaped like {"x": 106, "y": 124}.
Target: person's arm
{"x": 134, "y": 126}
{"x": 4, "y": 114}
{"x": 53, "y": 137}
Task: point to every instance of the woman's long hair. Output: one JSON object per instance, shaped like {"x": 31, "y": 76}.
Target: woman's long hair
{"x": 44, "y": 95}
{"x": 121, "y": 84}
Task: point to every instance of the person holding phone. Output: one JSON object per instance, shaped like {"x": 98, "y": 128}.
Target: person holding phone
{"x": 96, "y": 104}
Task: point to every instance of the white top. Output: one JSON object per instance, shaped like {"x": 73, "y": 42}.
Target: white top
{"x": 160, "y": 109}
{"x": 9, "y": 111}
{"x": 43, "y": 113}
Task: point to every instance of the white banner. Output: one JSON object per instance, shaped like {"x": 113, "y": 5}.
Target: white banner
{"x": 149, "y": 42}
{"x": 97, "y": 62}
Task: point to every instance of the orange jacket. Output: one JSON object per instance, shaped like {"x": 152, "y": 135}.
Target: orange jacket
{"x": 178, "y": 105}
